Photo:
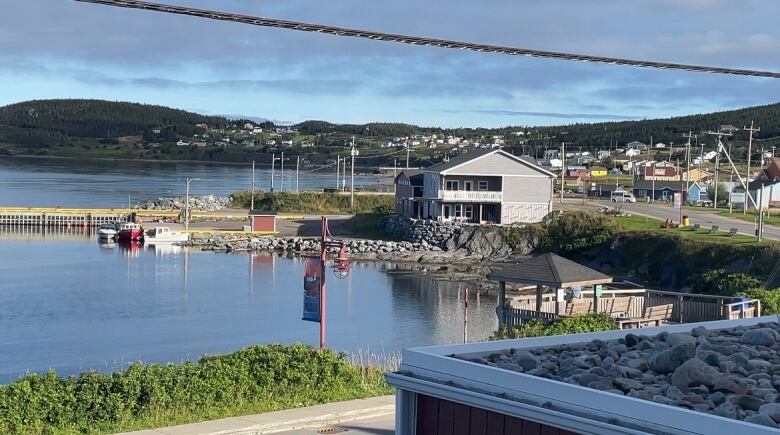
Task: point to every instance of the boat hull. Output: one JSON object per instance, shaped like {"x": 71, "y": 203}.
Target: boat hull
{"x": 129, "y": 235}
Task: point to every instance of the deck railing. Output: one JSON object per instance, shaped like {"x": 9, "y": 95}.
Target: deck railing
{"x": 471, "y": 195}
{"x": 687, "y": 308}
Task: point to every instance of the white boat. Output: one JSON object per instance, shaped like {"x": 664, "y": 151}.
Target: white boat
{"x": 107, "y": 231}
{"x": 164, "y": 235}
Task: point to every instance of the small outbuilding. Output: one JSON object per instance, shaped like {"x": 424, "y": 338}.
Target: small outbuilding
{"x": 262, "y": 221}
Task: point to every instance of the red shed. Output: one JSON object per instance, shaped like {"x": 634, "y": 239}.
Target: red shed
{"x": 260, "y": 220}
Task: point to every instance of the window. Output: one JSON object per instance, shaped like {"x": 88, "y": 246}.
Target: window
{"x": 468, "y": 211}
{"x": 468, "y": 185}
{"x": 452, "y": 185}
{"x": 458, "y": 210}
{"x": 482, "y": 185}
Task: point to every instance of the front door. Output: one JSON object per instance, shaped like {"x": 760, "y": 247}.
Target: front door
{"x": 447, "y": 212}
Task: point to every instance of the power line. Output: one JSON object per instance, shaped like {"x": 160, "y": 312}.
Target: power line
{"x": 416, "y": 40}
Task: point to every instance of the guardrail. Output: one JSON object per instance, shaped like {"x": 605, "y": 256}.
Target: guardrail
{"x": 470, "y": 195}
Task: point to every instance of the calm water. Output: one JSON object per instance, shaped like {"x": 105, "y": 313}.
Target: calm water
{"x": 107, "y": 184}
{"x": 70, "y": 304}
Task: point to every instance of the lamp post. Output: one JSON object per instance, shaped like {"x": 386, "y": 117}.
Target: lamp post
{"x": 273, "y": 169}
{"x": 187, "y": 202}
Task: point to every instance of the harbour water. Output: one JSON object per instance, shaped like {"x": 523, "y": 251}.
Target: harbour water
{"x": 34, "y": 182}
{"x": 70, "y": 304}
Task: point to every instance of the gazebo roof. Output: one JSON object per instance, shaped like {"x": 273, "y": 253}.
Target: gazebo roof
{"x": 549, "y": 270}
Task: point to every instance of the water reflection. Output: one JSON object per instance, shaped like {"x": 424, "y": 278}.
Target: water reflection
{"x": 70, "y": 303}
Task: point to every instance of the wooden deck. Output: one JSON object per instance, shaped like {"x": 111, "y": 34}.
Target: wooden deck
{"x": 685, "y": 307}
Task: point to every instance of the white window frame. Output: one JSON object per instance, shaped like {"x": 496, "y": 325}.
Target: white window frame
{"x": 468, "y": 211}
{"x": 482, "y": 185}
{"x": 470, "y": 183}
{"x": 458, "y": 211}
{"x": 447, "y": 185}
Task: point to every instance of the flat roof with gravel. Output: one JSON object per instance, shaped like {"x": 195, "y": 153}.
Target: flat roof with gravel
{"x": 732, "y": 372}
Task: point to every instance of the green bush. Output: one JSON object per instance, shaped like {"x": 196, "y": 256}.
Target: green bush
{"x": 254, "y": 379}
{"x": 718, "y": 282}
{"x": 560, "y": 326}
{"x": 577, "y": 230}
{"x": 770, "y": 299}
{"x": 314, "y": 202}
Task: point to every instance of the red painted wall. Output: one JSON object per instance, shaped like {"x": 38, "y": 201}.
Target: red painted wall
{"x": 442, "y": 417}
{"x": 263, "y": 223}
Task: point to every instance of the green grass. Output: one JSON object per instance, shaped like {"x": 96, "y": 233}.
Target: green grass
{"x": 645, "y": 224}
{"x": 312, "y": 202}
{"x": 252, "y": 380}
{"x": 366, "y": 226}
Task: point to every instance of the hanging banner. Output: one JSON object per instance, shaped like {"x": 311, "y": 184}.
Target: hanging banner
{"x": 677, "y": 199}
{"x": 312, "y": 279}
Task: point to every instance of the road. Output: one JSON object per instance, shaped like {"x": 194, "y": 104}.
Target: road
{"x": 375, "y": 426}
{"x": 704, "y": 218}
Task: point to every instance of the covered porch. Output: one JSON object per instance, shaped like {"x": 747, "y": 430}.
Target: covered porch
{"x": 470, "y": 212}
{"x": 565, "y": 288}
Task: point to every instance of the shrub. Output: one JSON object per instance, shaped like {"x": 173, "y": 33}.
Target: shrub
{"x": 576, "y": 231}
{"x": 770, "y": 299}
{"x": 560, "y": 326}
{"x": 718, "y": 282}
{"x": 254, "y": 379}
{"x": 314, "y": 202}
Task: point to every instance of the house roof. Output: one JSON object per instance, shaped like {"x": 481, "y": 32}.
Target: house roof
{"x": 410, "y": 173}
{"x": 482, "y": 152}
{"x": 549, "y": 270}
{"x": 659, "y": 185}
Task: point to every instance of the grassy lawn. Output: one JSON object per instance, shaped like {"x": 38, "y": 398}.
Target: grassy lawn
{"x": 641, "y": 223}
{"x": 366, "y": 226}
{"x": 750, "y": 216}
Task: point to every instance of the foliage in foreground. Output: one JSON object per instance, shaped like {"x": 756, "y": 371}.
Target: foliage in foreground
{"x": 721, "y": 283}
{"x": 314, "y": 202}
{"x": 560, "y": 326}
{"x": 770, "y": 299}
{"x": 251, "y": 380}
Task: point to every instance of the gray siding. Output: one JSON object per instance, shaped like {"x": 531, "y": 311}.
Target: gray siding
{"x": 495, "y": 164}
{"x": 430, "y": 185}
{"x": 527, "y": 189}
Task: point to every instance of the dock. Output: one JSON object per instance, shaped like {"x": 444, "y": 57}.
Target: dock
{"x": 73, "y": 217}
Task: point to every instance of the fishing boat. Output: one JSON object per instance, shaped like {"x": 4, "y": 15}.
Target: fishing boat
{"x": 107, "y": 231}
{"x": 129, "y": 231}
{"x": 164, "y": 235}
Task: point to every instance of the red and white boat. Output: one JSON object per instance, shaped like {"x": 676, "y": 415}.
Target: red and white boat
{"x": 129, "y": 231}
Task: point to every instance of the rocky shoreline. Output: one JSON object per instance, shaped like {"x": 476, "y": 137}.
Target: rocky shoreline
{"x": 197, "y": 202}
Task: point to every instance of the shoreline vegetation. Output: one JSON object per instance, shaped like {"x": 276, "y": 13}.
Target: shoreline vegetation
{"x": 252, "y": 380}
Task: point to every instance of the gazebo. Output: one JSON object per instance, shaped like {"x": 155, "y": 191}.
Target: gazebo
{"x": 547, "y": 271}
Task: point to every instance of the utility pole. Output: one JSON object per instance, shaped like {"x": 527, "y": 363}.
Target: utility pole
{"x": 750, "y": 148}
{"x": 688, "y": 161}
{"x": 338, "y": 170}
{"x": 352, "y": 181}
{"x": 273, "y": 170}
{"x": 720, "y": 135}
{"x": 281, "y": 183}
{"x": 252, "y": 194}
{"x": 407, "y": 155}
{"x": 187, "y": 202}
{"x": 760, "y": 231}
{"x": 297, "y": 171}
{"x": 395, "y": 165}
{"x": 344, "y": 174}
{"x": 652, "y": 199}
{"x": 563, "y": 167}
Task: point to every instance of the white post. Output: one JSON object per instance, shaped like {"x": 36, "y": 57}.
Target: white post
{"x": 352, "y": 178}
{"x": 273, "y": 170}
{"x": 281, "y": 183}
{"x": 297, "y": 171}
{"x": 252, "y": 200}
{"x": 338, "y": 171}
{"x": 187, "y": 206}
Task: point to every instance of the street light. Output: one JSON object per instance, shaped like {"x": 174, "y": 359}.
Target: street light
{"x": 187, "y": 202}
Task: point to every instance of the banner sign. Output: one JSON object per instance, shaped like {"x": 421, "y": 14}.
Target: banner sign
{"x": 312, "y": 279}
{"x": 677, "y": 199}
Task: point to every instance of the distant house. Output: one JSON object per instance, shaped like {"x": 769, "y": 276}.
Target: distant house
{"x": 577, "y": 172}
{"x": 697, "y": 193}
{"x": 765, "y": 193}
{"x": 487, "y": 185}
{"x": 658, "y": 190}
{"x": 696, "y": 174}
{"x": 182, "y": 143}
{"x": 636, "y": 145}
{"x": 632, "y": 152}
{"x": 598, "y": 171}
{"x": 660, "y": 145}
{"x": 728, "y": 128}
{"x": 658, "y": 171}
{"x": 555, "y": 163}
{"x": 603, "y": 154}
{"x": 408, "y": 192}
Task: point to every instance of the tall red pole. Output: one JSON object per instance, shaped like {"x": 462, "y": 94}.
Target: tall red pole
{"x": 323, "y": 258}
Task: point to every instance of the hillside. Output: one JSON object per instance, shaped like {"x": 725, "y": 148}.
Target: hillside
{"x": 47, "y": 123}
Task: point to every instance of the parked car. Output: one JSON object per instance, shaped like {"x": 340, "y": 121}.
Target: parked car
{"x": 621, "y": 196}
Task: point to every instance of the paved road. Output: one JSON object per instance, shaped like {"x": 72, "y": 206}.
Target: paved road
{"x": 377, "y": 426}
{"x": 704, "y": 218}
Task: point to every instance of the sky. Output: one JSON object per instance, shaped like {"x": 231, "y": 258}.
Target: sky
{"x": 67, "y": 49}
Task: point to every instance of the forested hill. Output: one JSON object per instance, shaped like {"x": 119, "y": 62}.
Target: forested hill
{"x": 46, "y": 123}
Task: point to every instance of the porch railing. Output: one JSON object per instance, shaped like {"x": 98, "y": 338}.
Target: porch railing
{"x": 471, "y": 196}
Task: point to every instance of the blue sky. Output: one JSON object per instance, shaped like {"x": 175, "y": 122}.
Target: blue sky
{"x": 65, "y": 49}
